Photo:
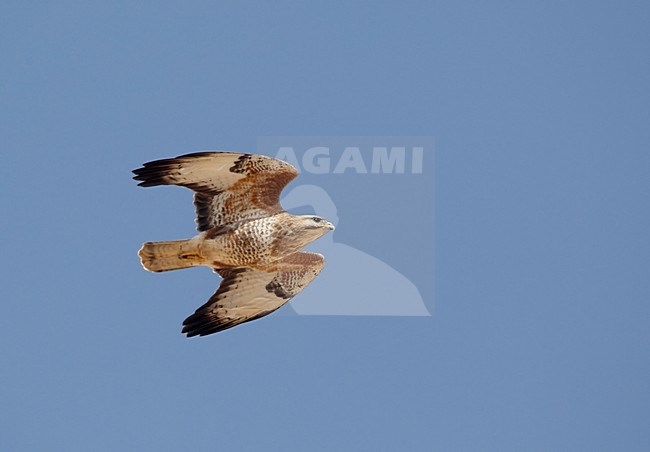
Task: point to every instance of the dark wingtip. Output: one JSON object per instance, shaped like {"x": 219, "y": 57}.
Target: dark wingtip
{"x": 139, "y": 177}
{"x": 189, "y": 333}
{"x": 193, "y": 331}
{"x": 153, "y": 173}
{"x": 198, "y": 324}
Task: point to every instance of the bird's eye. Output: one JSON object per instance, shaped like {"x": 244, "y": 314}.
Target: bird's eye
{"x": 316, "y": 219}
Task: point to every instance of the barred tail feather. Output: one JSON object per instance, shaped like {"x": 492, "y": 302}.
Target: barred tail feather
{"x": 173, "y": 255}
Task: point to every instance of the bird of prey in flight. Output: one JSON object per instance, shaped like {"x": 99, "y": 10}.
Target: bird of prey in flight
{"x": 244, "y": 235}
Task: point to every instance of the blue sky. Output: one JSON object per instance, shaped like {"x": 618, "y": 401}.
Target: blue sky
{"x": 539, "y": 339}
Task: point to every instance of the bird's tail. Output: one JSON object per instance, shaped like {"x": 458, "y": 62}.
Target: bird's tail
{"x": 165, "y": 256}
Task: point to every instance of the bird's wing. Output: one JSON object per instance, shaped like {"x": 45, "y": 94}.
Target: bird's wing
{"x": 247, "y": 294}
{"x": 229, "y": 187}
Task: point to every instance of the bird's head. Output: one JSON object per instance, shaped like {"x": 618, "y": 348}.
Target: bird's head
{"x": 316, "y": 223}
{"x": 313, "y": 226}
{"x": 300, "y": 230}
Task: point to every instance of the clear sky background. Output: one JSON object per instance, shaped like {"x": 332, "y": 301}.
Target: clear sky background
{"x": 540, "y": 337}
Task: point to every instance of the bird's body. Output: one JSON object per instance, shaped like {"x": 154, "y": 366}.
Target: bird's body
{"x": 245, "y": 235}
{"x": 253, "y": 243}
{"x": 259, "y": 242}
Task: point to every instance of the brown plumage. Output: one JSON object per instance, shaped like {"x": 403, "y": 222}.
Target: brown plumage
{"x": 245, "y": 235}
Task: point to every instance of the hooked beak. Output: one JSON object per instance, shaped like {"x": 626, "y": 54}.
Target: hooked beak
{"x": 330, "y": 226}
